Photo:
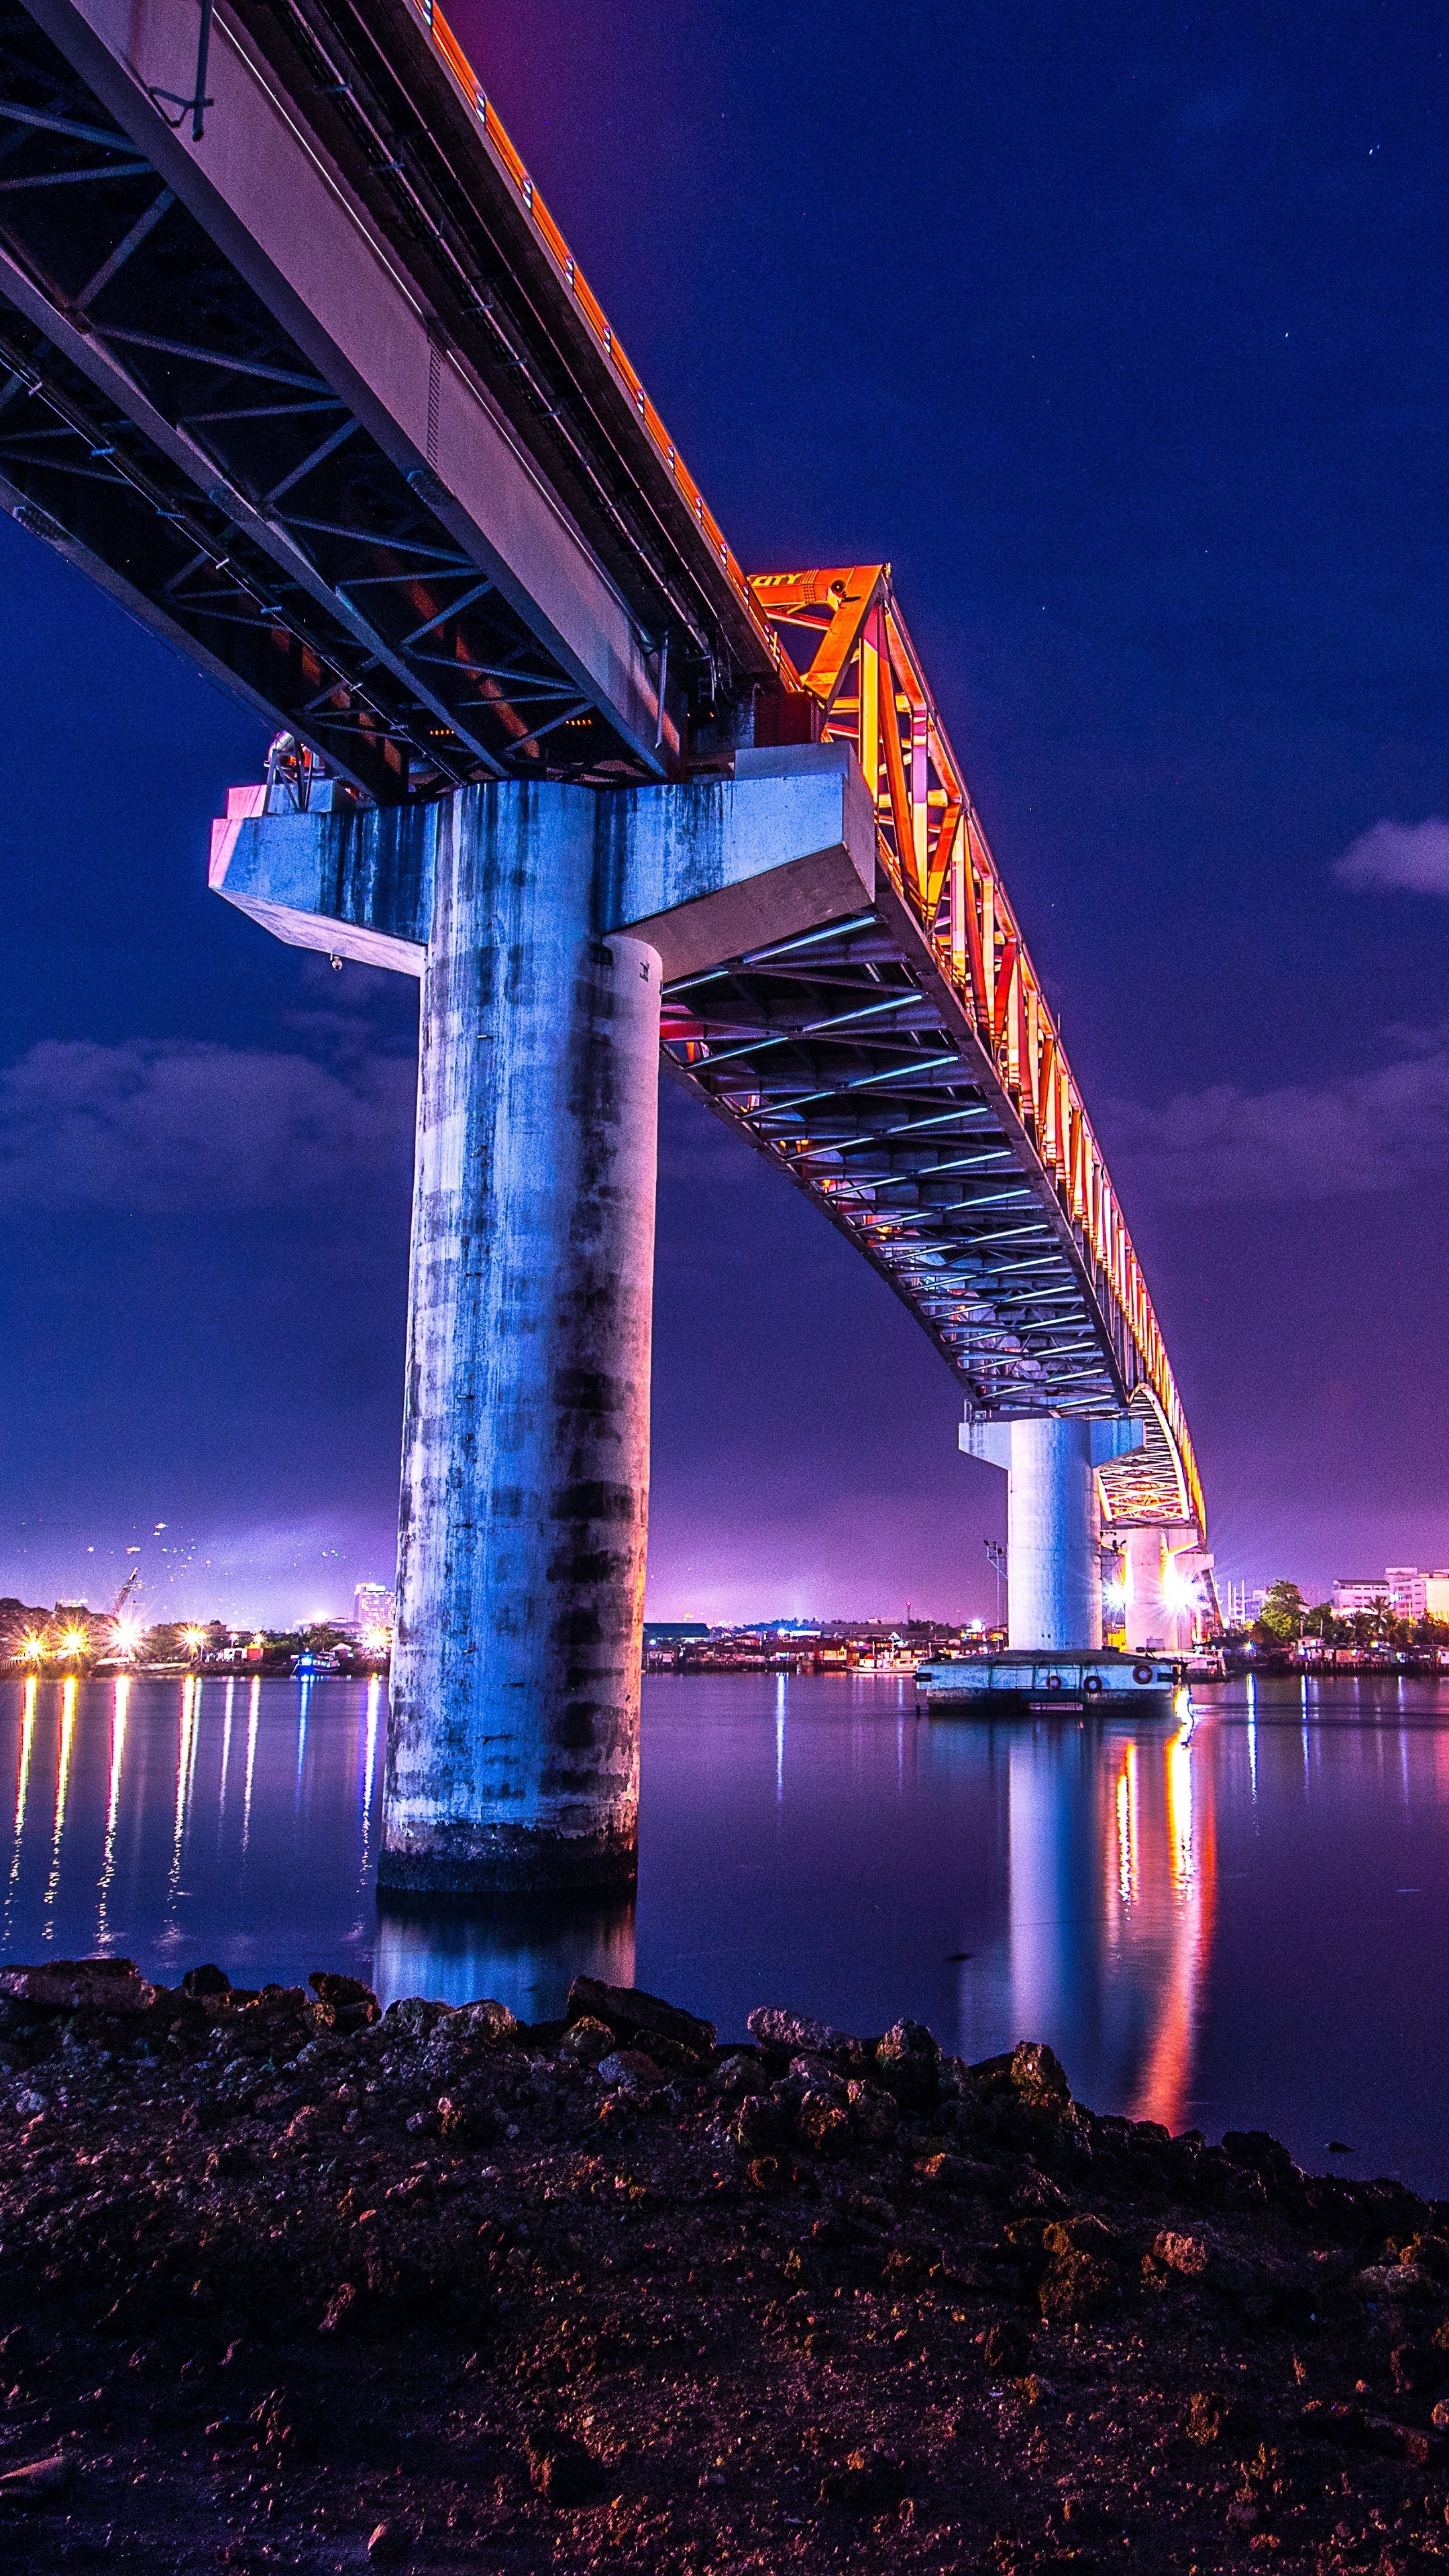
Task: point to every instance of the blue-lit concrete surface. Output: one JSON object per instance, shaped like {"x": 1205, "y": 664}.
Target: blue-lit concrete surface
{"x": 513, "y": 1750}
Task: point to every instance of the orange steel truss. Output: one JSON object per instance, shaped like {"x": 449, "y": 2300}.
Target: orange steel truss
{"x": 846, "y": 637}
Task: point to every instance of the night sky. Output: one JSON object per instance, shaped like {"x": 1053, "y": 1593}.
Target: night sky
{"x": 1122, "y": 335}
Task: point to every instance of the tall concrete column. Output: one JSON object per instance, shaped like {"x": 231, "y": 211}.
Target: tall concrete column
{"x": 1053, "y": 1537}
{"x": 1149, "y": 1621}
{"x": 1053, "y": 1520}
{"x": 513, "y": 1748}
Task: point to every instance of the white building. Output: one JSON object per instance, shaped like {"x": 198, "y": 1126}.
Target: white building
{"x": 373, "y": 1607}
{"x": 1404, "y": 1588}
{"x": 1354, "y": 1592}
{"x": 1436, "y": 1593}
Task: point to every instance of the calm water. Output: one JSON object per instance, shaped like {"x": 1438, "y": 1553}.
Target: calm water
{"x": 1241, "y": 1921}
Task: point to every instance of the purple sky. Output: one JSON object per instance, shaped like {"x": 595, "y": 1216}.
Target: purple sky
{"x": 1124, "y": 340}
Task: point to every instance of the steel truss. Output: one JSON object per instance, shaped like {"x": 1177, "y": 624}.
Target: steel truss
{"x": 158, "y": 424}
{"x": 906, "y": 1071}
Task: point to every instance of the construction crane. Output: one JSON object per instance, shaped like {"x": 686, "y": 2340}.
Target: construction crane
{"x": 124, "y": 1595}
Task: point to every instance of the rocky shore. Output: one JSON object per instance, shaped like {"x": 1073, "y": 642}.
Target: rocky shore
{"x": 287, "y": 2282}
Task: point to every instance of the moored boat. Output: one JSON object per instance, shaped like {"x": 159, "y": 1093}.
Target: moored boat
{"x": 1098, "y": 1682}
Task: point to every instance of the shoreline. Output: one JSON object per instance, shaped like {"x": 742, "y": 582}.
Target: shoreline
{"x": 287, "y": 2282}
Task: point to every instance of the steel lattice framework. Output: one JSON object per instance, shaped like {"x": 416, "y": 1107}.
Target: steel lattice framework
{"x": 188, "y": 430}
{"x": 906, "y": 1069}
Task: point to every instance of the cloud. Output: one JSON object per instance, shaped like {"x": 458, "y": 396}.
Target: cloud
{"x": 168, "y": 1128}
{"x": 1368, "y": 1132}
{"x": 1411, "y": 856}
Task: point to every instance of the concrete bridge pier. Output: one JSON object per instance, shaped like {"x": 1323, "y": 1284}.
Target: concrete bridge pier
{"x": 1053, "y": 1522}
{"x": 542, "y": 919}
{"x": 1053, "y": 1536}
{"x": 1160, "y": 1562}
{"x": 513, "y": 1747}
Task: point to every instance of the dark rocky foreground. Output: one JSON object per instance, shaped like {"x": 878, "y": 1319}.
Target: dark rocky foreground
{"x": 286, "y": 2284}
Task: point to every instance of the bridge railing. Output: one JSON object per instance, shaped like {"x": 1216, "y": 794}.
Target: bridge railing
{"x": 450, "y": 53}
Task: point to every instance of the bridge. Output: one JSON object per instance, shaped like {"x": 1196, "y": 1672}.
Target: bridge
{"x": 295, "y": 363}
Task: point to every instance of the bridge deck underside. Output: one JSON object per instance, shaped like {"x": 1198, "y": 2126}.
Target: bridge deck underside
{"x": 835, "y": 1058}
{"x": 158, "y": 421}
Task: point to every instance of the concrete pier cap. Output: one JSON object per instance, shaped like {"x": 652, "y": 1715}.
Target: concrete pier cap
{"x": 542, "y": 920}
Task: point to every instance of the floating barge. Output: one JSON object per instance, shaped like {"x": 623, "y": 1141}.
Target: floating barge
{"x": 1021, "y": 1683}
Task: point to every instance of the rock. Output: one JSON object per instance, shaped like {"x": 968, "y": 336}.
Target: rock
{"x": 344, "y": 2310}
{"x": 757, "y": 2123}
{"x": 866, "y": 2481}
{"x": 942, "y": 2171}
{"x": 586, "y": 2042}
{"x": 1087, "y": 2234}
{"x": 775, "y": 2027}
{"x": 1037, "y": 2072}
{"x": 736, "y": 2073}
{"x": 632, "y": 2014}
{"x": 387, "y": 2543}
{"x": 80, "y": 1985}
{"x": 344, "y": 2004}
{"x": 200, "y": 1984}
{"x": 1078, "y": 2285}
{"x": 1185, "y": 2254}
{"x": 1261, "y": 2154}
{"x": 1416, "y": 2368}
{"x": 464, "y": 2123}
{"x": 38, "y": 2479}
{"x": 225, "y": 2163}
{"x": 1008, "y": 2348}
{"x": 874, "y": 2113}
{"x": 906, "y": 2061}
{"x": 413, "y": 2017}
{"x": 315, "y": 2122}
{"x": 1404, "y": 2282}
{"x": 1229, "y": 2419}
{"x": 487, "y": 2020}
{"x": 630, "y": 2066}
{"x": 822, "y": 2123}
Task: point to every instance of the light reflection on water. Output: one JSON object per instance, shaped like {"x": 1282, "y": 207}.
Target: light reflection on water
{"x": 1236, "y": 1919}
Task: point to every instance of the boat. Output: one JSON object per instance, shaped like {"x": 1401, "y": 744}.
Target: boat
{"x": 1101, "y": 1681}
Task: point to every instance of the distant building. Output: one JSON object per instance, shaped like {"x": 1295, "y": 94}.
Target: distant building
{"x": 373, "y": 1607}
{"x": 1436, "y": 1593}
{"x": 1404, "y": 1588}
{"x": 1355, "y": 1592}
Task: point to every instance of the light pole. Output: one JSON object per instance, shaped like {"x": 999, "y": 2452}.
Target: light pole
{"x": 997, "y": 1554}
